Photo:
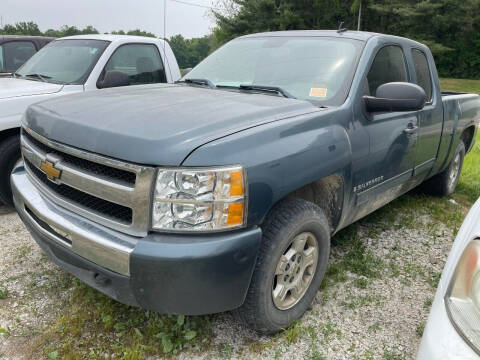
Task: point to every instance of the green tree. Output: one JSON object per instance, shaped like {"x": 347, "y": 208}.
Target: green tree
{"x": 21, "y": 28}
{"x": 451, "y": 28}
{"x": 273, "y": 15}
{"x": 139, "y": 32}
{"x": 189, "y": 52}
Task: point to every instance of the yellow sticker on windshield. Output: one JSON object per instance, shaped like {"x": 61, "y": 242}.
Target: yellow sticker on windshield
{"x": 318, "y": 92}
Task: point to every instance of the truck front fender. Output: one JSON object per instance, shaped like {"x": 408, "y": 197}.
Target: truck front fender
{"x": 281, "y": 157}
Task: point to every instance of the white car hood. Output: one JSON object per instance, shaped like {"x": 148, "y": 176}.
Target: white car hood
{"x": 14, "y": 87}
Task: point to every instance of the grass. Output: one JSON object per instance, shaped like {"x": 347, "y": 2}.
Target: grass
{"x": 93, "y": 326}
{"x": 469, "y": 184}
{"x": 460, "y": 85}
{"x": 3, "y": 293}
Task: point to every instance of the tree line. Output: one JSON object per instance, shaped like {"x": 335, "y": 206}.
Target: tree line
{"x": 189, "y": 52}
{"x": 451, "y": 28}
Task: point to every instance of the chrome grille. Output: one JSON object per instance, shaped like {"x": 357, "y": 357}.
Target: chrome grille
{"x": 116, "y": 212}
{"x": 105, "y": 190}
{"x": 98, "y": 169}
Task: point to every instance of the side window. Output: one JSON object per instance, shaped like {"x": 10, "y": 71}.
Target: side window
{"x": 388, "y": 66}
{"x": 423, "y": 72}
{"x": 142, "y": 63}
{"x": 1, "y": 59}
{"x": 15, "y": 53}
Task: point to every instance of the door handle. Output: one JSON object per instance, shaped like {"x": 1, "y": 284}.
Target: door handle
{"x": 410, "y": 129}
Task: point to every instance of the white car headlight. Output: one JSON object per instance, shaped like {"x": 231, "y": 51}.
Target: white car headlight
{"x": 462, "y": 299}
{"x": 199, "y": 199}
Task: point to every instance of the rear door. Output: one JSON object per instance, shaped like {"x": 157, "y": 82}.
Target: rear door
{"x": 430, "y": 118}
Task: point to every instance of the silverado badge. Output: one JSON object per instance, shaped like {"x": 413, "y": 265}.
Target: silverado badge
{"x": 49, "y": 169}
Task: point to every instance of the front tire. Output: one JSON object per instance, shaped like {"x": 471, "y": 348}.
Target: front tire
{"x": 290, "y": 267}
{"x": 444, "y": 184}
{"x": 9, "y": 158}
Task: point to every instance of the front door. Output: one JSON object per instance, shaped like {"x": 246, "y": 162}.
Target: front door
{"x": 392, "y": 139}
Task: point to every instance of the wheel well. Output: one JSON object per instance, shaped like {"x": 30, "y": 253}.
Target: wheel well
{"x": 467, "y": 136}
{"x": 327, "y": 193}
{"x": 9, "y": 132}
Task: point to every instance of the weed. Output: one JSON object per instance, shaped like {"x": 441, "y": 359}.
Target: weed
{"x": 433, "y": 279}
{"x": 363, "y": 300}
{"x": 391, "y": 355}
{"x": 360, "y": 283}
{"x": 368, "y": 355}
{"x": 428, "y": 303}
{"x": 293, "y": 333}
{"x": 419, "y": 329}
{"x": 3, "y": 293}
{"x": 226, "y": 351}
{"x": 316, "y": 355}
{"x": 92, "y": 321}
{"x": 328, "y": 330}
{"x": 374, "y": 328}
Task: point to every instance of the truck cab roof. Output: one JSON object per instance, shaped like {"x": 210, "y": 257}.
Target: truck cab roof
{"x": 4, "y": 38}
{"x": 115, "y": 38}
{"x": 347, "y": 34}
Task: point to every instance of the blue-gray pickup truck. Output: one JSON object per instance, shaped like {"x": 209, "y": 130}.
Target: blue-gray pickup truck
{"x": 222, "y": 191}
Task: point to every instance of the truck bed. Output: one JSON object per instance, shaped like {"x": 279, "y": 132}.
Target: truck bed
{"x": 460, "y": 110}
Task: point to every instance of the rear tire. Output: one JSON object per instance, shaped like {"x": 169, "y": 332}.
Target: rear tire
{"x": 9, "y": 157}
{"x": 444, "y": 184}
{"x": 293, "y": 255}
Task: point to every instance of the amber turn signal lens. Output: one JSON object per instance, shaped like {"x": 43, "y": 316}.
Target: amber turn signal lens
{"x": 236, "y": 183}
{"x": 235, "y": 214}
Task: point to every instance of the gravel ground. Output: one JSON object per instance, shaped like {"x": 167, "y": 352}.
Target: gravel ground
{"x": 32, "y": 282}
{"x": 372, "y": 313}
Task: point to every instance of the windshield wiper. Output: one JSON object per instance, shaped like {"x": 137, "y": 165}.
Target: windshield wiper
{"x": 267, "y": 88}
{"x": 201, "y": 82}
{"x": 39, "y": 76}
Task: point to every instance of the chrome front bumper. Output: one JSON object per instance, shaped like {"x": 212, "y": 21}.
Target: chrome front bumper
{"x": 167, "y": 273}
{"x": 102, "y": 246}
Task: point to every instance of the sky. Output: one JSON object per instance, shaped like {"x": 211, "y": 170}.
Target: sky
{"x": 108, "y": 15}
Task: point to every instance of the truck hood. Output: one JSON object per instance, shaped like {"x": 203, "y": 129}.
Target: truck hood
{"x": 14, "y": 87}
{"x": 155, "y": 124}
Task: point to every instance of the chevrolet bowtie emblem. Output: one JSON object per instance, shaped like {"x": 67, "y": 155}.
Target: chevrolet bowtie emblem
{"x": 49, "y": 169}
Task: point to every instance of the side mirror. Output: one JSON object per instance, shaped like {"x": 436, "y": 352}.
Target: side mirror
{"x": 114, "y": 78}
{"x": 186, "y": 71}
{"x": 396, "y": 96}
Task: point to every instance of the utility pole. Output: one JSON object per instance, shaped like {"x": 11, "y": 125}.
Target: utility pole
{"x": 359, "y": 15}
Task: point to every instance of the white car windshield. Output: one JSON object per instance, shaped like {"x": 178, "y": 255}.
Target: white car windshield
{"x": 318, "y": 69}
{"x": 64, "y": 61}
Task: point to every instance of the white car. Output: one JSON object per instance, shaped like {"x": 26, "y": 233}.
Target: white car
{"x": 453, "y": 327}
{"x": 71, "y": 65}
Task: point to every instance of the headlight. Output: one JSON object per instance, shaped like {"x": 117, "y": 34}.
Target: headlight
{"x": 463, "y": 295}
{"x": 199, "y": 199}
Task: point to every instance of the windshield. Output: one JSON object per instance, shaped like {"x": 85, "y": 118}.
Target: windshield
{"x": 64, "y": 61}
{"x": 318, "y": 69}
